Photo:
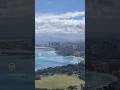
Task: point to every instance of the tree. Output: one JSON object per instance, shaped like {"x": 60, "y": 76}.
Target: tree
{"x": 72, "y": 88}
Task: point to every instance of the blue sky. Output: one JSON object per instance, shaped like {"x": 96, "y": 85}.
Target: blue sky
{"x": 59, "y": 6}
{"x": 58, "y": 20}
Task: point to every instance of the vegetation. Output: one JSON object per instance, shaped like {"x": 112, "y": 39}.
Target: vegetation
{"x": 69, "y": 77}
{"x": 58, "y": 82}
{"x": 76, "y": 69}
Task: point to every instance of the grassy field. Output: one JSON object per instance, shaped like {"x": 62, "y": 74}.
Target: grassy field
{"x": 58, "y": 81}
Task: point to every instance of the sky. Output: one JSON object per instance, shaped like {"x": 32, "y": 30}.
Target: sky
{"x": 59, "y": 6}
{"x": 58, "y": 20}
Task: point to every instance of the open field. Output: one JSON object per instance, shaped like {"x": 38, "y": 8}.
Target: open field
{"x": 58, "y": 81}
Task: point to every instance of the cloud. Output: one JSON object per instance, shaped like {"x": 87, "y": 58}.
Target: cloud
{"x": 66, "y": 15}
{"x": 60, "y": 26}
{"x": 66, "y": 23}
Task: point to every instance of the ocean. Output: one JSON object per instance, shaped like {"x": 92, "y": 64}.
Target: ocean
{"x": 45, "y": 58}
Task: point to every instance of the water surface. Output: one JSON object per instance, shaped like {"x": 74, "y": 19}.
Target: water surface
{"x": 48, "y": 58}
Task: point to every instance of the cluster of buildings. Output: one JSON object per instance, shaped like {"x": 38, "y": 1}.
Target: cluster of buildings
{"x": 66, "y": 48}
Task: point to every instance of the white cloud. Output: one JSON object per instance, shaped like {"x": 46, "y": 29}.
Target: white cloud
{"x": 70, "y": 23}
{"x": 66, "y": 15}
